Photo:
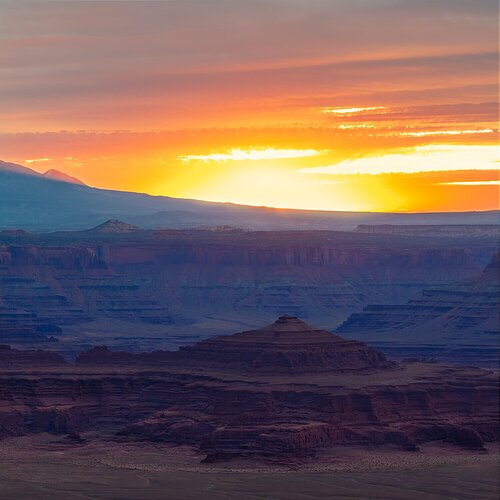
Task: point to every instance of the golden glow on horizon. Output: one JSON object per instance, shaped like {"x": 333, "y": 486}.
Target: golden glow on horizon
{"x": 260, "y": 185}
{"x": 430, "y": 158}
{"x": 351, "y": 111}
{"x": 471, "y": 183}
{"x": 252, "y": 154}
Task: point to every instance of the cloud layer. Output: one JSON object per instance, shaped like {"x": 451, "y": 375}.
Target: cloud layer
{"x": 122, "y": 93}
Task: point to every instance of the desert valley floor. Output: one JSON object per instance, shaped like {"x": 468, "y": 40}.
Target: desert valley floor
{"x": 156, "y": 471}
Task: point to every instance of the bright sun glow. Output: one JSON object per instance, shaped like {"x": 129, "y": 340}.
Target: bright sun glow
{"x": 431, "y": 158}
{"x": 253, "y": 154}
{"x": 471, "y": 183}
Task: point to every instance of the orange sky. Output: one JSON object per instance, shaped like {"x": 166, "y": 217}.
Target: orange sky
{"x": 336, "y": 105}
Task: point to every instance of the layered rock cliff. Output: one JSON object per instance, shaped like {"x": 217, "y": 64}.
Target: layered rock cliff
{"x": 453, "y": 230}
{"x": 276, "y": 412}
{"x": 456, "y": 323}
{"x": 288, "y": 346}
{"x": 174, "y": 277}
{"x": 258, "y": 418}
{"x": 15, "y": 358}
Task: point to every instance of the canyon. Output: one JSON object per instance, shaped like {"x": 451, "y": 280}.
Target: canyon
{"x": 151, "y": 289}
{"x": 241, "y": 396}
{"x": 457, "y": 323}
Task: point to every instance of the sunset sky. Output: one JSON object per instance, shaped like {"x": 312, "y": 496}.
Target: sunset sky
{"x": 386, "y": 105}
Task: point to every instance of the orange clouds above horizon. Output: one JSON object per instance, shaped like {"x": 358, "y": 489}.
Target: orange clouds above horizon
{"x": 226, "y": 101}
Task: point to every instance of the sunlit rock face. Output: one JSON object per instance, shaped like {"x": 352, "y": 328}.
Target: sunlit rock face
{"x": 288, "y": 346}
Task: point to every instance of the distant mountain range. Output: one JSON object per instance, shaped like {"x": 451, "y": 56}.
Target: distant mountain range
{"x": 56, "y": 201}
{"x": 56, "y": 175}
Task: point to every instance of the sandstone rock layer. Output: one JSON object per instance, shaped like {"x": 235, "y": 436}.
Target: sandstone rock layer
{"x": 288, "y": 346}
{"x": 243, "y": 396}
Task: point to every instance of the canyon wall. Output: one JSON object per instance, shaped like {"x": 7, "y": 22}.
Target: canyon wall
{"x": 177, "y": 277}
{"x": 227, "y": 418}
{"x": 459, "y": 322}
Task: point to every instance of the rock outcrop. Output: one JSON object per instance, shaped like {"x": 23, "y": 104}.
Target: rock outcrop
{"x": 274, "y": 414}
{"x": 114, "y": 226}
{"x": 14, "y": 358}
{"x": 288, "y": 346}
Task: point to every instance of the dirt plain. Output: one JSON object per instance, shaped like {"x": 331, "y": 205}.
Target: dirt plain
{"x": 47, "y": 467}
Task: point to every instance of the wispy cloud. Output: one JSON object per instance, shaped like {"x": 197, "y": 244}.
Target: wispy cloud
{"x": 252, "y": 154}
{"x": 38, "y": 160}
{"x": 430, "y": 158}
{"x": 425, "y": 133}
{"x": 345, "y": 126}
{"x": 351, "y": 111}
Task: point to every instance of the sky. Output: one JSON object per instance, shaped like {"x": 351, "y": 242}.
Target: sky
{"x": 378, "y": 105}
